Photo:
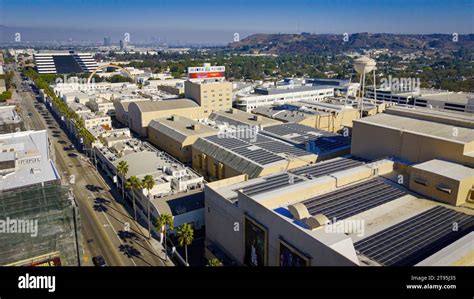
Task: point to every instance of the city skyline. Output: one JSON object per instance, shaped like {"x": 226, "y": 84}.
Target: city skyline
{"x": 215, "y": 22}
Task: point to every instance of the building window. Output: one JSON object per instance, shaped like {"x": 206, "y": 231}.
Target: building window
{"x": 421, "y": 181}
{"x": 444, "y": 189}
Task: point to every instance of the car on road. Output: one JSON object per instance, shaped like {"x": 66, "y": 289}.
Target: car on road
{"x": 99, "y": 261}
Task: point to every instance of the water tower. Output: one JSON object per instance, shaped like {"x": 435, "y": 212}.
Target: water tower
{"x": 362, "y": 66}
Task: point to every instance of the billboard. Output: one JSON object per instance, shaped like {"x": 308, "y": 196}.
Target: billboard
{"x": 291, "y": 257}
{"x": 44, "y": 262}
{"x": 255, "y": 243}
{"x": 206, "y": 72}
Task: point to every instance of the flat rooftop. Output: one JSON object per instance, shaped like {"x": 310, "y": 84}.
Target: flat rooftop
{"x": 457, "y": 118}
{"x": 151, "y": 106}
{"x": 398, "y": 226}
{"x": 25, "y": 160}
{"x": 179, "y": 127}
{"x": 272, "y": 91}
{"x": 272, "y": 183}
{"x": 314, "y": 140}
{"x": 286, "y": 112}
{"x": 446, "y": 169}
{"x": 237, "y": 117}
{"x": 178, "y": 204}
{"x": 8, "y": 115}
{"x": 421, "y": 127}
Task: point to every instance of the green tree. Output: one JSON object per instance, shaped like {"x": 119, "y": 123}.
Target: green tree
{"x": 148, "y": 183}
{"x": 214, "y": 263}
{"x": 164, "y": 223}
{"x": 133, "y": 183}
{"x": 185, "y": 237}
{"x": 122, "y": 170}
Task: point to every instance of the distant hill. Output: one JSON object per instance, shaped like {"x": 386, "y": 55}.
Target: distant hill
{"x": 320, "y": 43}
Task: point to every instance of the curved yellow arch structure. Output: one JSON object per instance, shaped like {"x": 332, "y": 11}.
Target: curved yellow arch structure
{"x": 107, "y": 66}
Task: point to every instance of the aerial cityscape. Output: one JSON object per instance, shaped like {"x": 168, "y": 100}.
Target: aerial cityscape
{"x": 210, "y": 134}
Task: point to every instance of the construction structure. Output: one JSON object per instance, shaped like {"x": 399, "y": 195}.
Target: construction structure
{"x": 40, "y": 219}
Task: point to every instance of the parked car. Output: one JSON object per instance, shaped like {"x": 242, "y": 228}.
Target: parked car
{"x": 99, "y": 261}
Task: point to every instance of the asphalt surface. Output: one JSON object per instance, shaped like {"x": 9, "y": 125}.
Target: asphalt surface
{"x": 107, "y": 228}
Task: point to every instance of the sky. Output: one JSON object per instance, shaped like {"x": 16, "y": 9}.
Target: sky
{"x": 217, "y": 21}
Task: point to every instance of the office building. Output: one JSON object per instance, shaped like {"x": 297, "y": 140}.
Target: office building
{"x": 64, "y": 62}
{"x": 107, "y": 42}
{"x": 177, "y": 189}
{"x": 269, "y": 96}
{"x": 211, "y": 94}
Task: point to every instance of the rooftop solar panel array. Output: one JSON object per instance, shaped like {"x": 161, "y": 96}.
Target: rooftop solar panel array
{"x": 258, "y": 155}
{"x": 270, "y": 183}
{"x": 326, "y": 144}
{"x": 279, "y": 147}
{"x": 346, "y": 202}
{"x": 228, "y": 142}
{"x": 313, "y": 140}
{"x": 328, "y": 167}
{"x": 261, "y": 149}
{"x": 413, "y": 240}
{"x": 291, "y": 128}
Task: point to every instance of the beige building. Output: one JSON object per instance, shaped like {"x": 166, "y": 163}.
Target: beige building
{"x": 245, "y": 152}
{"x": 176, "y": 134}
{"x": 238, "y": 118}
{"x": 141, "y": 113}
{"x": 340, "y": 212}
{"x": 411, "y": 139}
{"x": 211, "y": 95}
{"x": 444, "y": 181}
{"x": 331, "y": 114}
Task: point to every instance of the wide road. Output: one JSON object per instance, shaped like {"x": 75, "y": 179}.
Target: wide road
{"x": 107, "y": 228}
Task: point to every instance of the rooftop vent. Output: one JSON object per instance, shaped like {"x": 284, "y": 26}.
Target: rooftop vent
{"x": 299, "y": 211}
{"x": 316, "y": 221}
{"x": 256, "y": 117}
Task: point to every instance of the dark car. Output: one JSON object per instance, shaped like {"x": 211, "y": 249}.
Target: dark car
{"x": 98, "y": 261}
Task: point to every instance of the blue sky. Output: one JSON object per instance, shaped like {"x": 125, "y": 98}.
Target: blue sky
{"x": 204, "y": 16}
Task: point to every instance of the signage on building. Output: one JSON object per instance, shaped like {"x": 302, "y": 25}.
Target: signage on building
{"x": 204, "y": 72}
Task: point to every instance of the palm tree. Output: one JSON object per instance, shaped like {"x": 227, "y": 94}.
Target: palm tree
{"x": 148, "y": 183}
{"x": 215, "y": 262}
{"x": 163, "y": 221}
{"x": 185, "y": 237}
{"x": 122, "y": 169}
{"x": 133, "y": 183}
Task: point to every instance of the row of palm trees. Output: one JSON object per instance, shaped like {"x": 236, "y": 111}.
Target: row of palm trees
{"x": 164, "y": 223}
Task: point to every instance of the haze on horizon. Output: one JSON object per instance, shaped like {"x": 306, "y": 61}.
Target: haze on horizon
{"x": 212, "y": 21}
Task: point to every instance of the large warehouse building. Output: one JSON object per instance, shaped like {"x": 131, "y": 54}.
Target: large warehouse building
{"x": 341, "y": 212}
{"x": 419, "y": 139}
